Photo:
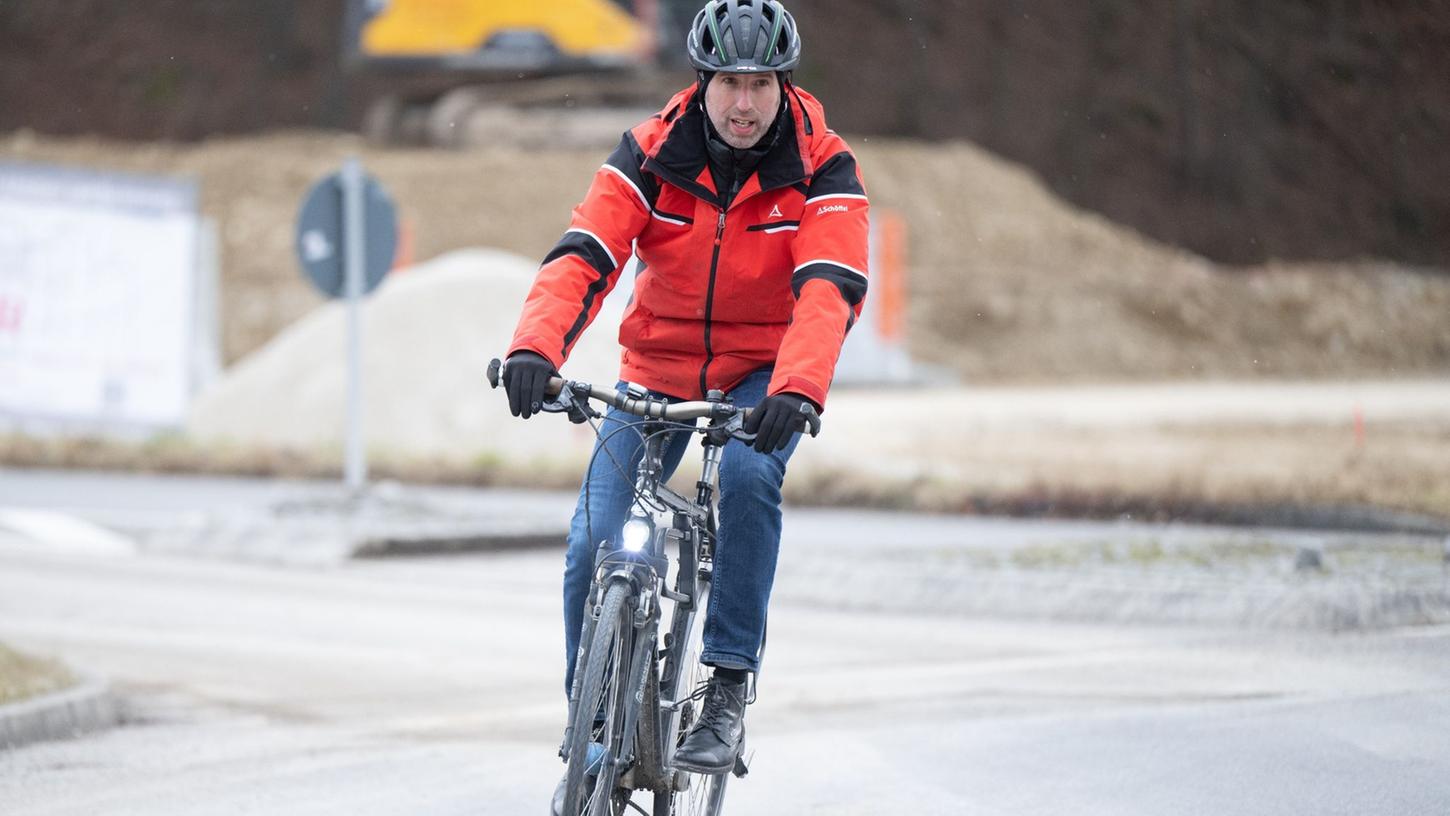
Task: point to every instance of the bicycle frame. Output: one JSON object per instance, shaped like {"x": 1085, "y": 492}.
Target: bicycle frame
{"x": 650, "y": 722}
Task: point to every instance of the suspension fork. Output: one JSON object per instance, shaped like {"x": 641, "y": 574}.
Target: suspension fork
{"x": 646, "y": 478}
{"x": 586, "y": 636}
{"x": 638, "y": 674}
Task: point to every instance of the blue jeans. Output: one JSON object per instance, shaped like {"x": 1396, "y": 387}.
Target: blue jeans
{"x": 748, "y": 540}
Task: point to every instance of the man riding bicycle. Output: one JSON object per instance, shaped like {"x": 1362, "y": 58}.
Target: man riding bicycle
{"x": 749, "y": 221}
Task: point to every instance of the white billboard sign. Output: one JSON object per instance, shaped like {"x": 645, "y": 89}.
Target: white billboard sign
{"x": 98, "y": 276}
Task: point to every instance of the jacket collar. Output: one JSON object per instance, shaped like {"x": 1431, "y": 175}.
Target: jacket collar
{"x": 682, "y": 157}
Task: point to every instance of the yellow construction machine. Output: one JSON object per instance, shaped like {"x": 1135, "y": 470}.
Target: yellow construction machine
{"x": 558, "y": 36}
{"x": 459, "y": 72}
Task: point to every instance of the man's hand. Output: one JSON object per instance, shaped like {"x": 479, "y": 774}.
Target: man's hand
{"x": 524, "y": 377}
{"x": 775, "y": 420}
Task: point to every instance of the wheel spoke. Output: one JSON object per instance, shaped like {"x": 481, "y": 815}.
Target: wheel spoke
{"x": 705, "y": 793}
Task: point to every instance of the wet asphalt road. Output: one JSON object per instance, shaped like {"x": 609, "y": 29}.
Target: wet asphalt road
{"x": 432, "y": 686}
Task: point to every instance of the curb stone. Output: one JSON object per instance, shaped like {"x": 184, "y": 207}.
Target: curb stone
{"x": 330, "y": 529}
{"x": 460, "y": 542}
{"x": 325, "y": 541}
{"x": 83, "y": 708}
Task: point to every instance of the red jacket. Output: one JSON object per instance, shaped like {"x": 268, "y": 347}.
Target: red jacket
{"x": 778, "y": 278}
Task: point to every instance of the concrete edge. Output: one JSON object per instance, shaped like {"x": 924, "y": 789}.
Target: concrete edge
{"x": 403, "y": 546}
{"x": 86, "y": 707}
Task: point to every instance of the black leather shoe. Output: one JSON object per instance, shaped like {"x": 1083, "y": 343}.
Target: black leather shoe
{"x": 715, "y": 739}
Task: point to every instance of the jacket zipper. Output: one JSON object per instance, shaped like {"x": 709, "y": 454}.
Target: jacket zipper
{"x": 710, "y": 303}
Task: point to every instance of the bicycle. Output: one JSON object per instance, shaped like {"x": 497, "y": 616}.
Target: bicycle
{"x": 629, "y": 689}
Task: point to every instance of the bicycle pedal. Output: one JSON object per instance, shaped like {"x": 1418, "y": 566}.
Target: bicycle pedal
{"x": 741, "y": 768}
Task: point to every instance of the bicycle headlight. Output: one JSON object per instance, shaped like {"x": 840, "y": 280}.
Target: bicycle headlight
{"x": 635, "y": 534}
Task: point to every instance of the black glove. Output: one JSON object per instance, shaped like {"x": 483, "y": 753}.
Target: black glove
{"x": 524, "y": 377}
{"x": 775, "y": 420}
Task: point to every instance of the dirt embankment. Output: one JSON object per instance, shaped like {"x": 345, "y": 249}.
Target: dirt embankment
{"x": 1007, "y": 283}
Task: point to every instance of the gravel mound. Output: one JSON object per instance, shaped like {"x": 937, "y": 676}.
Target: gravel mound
{"x": 428, "y": 335}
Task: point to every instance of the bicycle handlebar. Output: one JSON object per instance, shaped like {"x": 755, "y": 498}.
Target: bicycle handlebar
{"x": 652, "y": 407}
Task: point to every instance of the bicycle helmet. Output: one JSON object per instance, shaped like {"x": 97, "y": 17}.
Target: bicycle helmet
{"x": 744, "y": 36}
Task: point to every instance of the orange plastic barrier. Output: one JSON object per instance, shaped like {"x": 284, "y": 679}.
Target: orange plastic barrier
{"x": 889, "y": 277}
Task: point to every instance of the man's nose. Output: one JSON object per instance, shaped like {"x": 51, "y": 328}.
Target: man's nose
{"x": 744, "y": 99}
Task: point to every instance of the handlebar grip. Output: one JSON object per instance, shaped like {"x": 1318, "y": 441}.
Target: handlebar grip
{"x": 495, "y": 368}
{"x": 813, "y": 419}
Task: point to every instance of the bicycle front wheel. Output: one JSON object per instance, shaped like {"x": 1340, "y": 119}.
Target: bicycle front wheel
{"x": 599, "y": 715}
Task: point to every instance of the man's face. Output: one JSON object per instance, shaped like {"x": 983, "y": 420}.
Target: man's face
{"x": 742, "y": 106}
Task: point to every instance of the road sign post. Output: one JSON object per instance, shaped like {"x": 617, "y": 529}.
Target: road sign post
{"x": 348, "y": 209}
{"x": 355, "y": 468}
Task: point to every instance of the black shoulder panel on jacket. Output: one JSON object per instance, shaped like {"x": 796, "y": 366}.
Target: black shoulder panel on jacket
{"x": 585, "y": 246}
{"x": 628, "y": 159}
{"x": 836, "y": 176}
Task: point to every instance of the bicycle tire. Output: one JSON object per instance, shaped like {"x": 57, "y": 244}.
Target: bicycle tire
{"x": 706, "y": 794}
{"x": 602, "y": 687}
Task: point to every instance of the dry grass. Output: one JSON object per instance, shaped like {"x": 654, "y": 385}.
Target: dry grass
{"x": 1252, "y": 474}
{"x": 1161, "y": 473}
{"x": 174, "y": 454}
{"x": 22, "y": 676}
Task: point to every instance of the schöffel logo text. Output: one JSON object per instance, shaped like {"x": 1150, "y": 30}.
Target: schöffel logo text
{"x": 833, "y": 208}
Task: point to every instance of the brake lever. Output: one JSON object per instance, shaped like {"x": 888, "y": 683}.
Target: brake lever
{"x": 734, "y": 427}
{"x": 579, "y": 410}
{"x": 736, "y": 423}
{"x": 563, "y": 402}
